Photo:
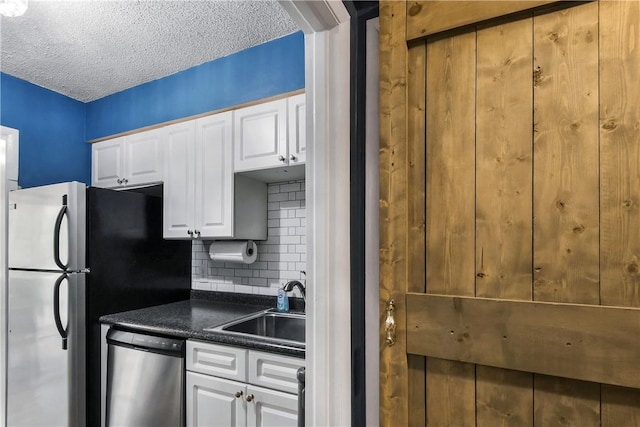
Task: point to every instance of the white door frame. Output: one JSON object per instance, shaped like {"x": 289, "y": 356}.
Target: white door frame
{"x": 326, "y": 25}
{"x": 372, "y": 233}
{"x": 4, "y": 204}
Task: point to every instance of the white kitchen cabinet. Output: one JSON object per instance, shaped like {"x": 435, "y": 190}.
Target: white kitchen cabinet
{"x": 222, "y": 389}
{"x": 130, "y": 160}
{"x": 270, "y": 408}
{"x": 270, "y": 135}
{"x": 107, "y": 169}
{"x": 213, "y": 401}
{"x": 202, "y": 197}
{"x": 217, "y": 360}
{"x": 297, "y": 129}
{"x": 143, "y": 156}
{"x": 179, "y": 180}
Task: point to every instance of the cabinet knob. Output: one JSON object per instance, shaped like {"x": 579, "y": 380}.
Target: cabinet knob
{"x": 282, "y": 158}
{"x": 197, "y": 233}
{"x": 293, "y": 158}
{"x": 190, "y": 233}
{"x": 126, "y": 181}
{"x": 249, "y": 397}
{"x": 238, "y": 394}
{"x": 119, "y": 181}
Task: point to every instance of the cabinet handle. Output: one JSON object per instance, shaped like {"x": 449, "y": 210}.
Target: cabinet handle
{"x": 197, "y": 232}
{"x": 293, "y": 158}
{"x": 249, "y": 397}
{"x": 126, "y": 181}
{"x": 190, "y": 233}
{"x": 282, "y": 158}
{"x": 238, "y": 394}
{"x": 119, "y": 181}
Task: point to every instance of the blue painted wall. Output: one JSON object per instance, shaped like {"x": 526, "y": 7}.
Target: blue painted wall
{"x": 258, "y": 72}
{"x": 52, "y": 133}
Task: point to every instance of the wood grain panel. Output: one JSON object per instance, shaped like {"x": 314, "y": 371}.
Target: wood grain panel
{"x": 393, "y": 207}
{"x": 450, "y": 163}
{"x": 417, "y": 390}
{"x": 586, "y": 342}
{"x": 561, "y": 402}
{"x": 430, "y": 17}
{"x": 450, "y": 393}
{"x": 620, "y": 180}
{"x": 620, "y": 152}
{"x": 503, "y": 202}
{"x": 504, "y": 397}
{"x": 416, "y": 80}
{"x": 504, "y": 161}
{"x": 566, "y": 186}
{"x": 620, "y": 406}
{"x": 450, "y": 195}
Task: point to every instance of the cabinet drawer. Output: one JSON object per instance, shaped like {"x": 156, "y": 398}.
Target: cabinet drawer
{"x": 274, "y": 371}
{"x": 218, "y": 360}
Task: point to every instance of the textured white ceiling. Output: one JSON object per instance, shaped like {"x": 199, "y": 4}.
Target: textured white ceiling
{"x": 89, "y": 49}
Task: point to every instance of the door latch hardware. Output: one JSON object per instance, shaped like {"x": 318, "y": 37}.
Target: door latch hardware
{"x": 390, "y": 323}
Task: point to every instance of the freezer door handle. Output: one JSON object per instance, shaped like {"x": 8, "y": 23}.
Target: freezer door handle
{"x": 63, "y": 331}
{"x": 56, "y": 234}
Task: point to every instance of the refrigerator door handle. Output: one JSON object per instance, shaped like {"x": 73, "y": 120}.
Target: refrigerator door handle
{"x": 56, "y": 234}
{"x": 63, "y": 331}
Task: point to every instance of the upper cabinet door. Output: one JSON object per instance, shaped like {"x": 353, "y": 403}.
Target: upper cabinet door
{"x": 297, "y": 129}
{"x": 179, "y": 176}
{"x": 214, "y": 176}
{"x": 260, "y": 136}
{"x": 129, "y": 160}
{"x": 107, "y": 169}
{"x": 143, "y": 157}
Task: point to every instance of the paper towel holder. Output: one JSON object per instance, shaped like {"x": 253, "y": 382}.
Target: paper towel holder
{"x": 249, "y": 250}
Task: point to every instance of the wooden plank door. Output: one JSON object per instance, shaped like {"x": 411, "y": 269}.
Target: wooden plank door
{"x": 509, "y": 213}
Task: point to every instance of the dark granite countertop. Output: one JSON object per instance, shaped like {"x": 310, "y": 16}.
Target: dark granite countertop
{"x": 188, "y": 319}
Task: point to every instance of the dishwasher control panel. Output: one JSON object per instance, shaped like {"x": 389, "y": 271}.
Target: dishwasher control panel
{"x": 143, "y": 341}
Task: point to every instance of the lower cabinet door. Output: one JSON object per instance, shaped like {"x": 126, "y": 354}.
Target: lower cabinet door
{"x": 270, "y": 408}
{"x": 216, "y": 402}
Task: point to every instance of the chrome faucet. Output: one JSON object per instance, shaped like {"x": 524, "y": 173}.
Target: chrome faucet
{"x": 296, "y": 284}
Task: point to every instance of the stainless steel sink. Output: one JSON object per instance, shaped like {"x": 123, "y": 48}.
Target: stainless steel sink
{"x": 280, "y": 328}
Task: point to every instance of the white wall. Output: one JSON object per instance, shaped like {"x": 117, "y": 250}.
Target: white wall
{"x": 281, "y": 257}
{"x": 4, "y": 200}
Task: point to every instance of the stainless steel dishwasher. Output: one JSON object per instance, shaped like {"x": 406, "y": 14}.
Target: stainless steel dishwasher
{"x": 145, "y": 380}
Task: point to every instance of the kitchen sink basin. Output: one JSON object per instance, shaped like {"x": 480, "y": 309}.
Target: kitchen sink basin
{"x": 283, "y": 328}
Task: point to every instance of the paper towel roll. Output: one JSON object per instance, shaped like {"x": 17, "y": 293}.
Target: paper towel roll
{"x": 244, "y": 252}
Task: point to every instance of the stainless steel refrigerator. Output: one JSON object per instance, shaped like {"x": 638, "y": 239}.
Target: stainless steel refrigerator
{"x": 76, "y": 253}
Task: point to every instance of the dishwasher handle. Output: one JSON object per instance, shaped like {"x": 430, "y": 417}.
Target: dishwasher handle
{"x": 151, "y": 343}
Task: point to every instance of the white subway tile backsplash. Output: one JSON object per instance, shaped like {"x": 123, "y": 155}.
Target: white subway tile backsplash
{"x": 278, "y": 197}
{"x": 291, "y": 204}
{"x": 281, "y": 257}
{"x": 285, "y": 188}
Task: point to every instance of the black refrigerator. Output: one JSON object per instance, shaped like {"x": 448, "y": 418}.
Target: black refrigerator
{"x": 132, "y": 266}
{"x": 75, "y": 254}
